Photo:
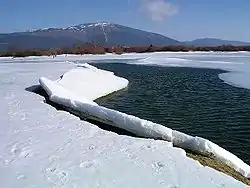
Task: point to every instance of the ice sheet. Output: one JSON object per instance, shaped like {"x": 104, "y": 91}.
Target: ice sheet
{"x": 43, "y": 147}
{"x": 92, "y": 83}
{"x": 127, "y": 122}
{"x": 237, "y": 63}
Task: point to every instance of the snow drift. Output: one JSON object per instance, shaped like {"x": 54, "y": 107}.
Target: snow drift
{"x": 90, "y": 82}
{"x": 77, "y": 89}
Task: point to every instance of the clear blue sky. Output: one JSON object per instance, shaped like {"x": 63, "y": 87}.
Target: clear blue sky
{"x": 179, "y": 19}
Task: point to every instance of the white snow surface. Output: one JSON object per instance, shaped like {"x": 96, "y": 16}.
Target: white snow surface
{"x": 130, "y": 123}
{"x": 92, "y": 83}
{"x": 43, "y": 147}
{"x": 236, "y": 63}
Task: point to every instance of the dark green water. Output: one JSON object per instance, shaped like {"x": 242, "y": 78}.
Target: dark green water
{"x": 194, "y": 101}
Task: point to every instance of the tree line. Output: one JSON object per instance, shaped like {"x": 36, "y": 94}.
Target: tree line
{"x": 95, "y": 49}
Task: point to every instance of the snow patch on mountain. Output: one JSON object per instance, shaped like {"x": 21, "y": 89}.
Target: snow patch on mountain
{"x": 79, "y": 27}
{"x": 89, "y": 25}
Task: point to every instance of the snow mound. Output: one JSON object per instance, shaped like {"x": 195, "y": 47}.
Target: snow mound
{"x": 79, "y": 87}
{"x": 86, "y": 65}
{"x": 90, "y": 82}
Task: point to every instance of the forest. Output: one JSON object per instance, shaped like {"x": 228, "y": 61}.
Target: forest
{"x": 95, "y": 49}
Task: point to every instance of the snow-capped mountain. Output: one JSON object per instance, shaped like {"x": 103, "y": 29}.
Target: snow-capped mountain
{"x": 102, "y": 33}
{"x": 81, "y": 27}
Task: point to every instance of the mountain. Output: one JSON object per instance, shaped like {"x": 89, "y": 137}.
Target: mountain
{"x": 102, "y": 33}
{"x": 215, "y": 42}
{"x": 29, "y": 41}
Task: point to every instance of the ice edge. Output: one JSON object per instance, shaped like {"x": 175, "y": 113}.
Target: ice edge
{"x": 62, "y": 96}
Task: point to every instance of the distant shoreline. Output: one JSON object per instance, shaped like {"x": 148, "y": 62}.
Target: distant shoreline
{"x": 95, "y": 50}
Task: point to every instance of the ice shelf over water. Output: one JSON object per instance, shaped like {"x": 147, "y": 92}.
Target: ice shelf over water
{"x": 236, "y": 63}
{"x": 43, "y": 147}
{"x": 96, "y": 79}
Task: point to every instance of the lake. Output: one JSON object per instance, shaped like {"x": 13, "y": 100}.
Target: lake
{"x": 194, "y": 101}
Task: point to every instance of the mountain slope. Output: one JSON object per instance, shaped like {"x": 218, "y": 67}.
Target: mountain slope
{"x": 103, "y": 33}
{"x": 26, "y": 41}
{"x": 215, "y": 42}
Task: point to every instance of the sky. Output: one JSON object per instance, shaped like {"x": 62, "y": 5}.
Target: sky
{"x": 179, "y": 19}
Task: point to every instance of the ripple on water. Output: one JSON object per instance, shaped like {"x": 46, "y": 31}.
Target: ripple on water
{"x": 194, "y": 101}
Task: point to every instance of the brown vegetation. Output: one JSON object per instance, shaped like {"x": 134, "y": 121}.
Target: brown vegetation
{"x": 94, "y": 49}
{"x": 218, "y": 165}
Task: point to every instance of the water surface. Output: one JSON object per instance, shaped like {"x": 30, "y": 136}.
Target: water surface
{"x": 194, "y": 101}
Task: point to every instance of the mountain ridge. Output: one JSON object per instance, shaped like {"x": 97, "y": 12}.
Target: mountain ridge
{"x": 102, "y": 33}
{"x": 215, "y": 42}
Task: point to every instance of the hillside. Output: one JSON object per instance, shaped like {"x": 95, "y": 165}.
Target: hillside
{"x": 103, "y": 33}
{"x": 215, "y": 42}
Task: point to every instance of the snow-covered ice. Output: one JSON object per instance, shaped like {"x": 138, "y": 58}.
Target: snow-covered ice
{"x": 236, "y": 63}
{"x": 92, "y": 83}
{"x": 44, "y": 147}
{"x": 130, "y": 123}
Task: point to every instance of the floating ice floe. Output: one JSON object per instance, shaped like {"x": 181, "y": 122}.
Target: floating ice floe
{"x": 77, "y": 89}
